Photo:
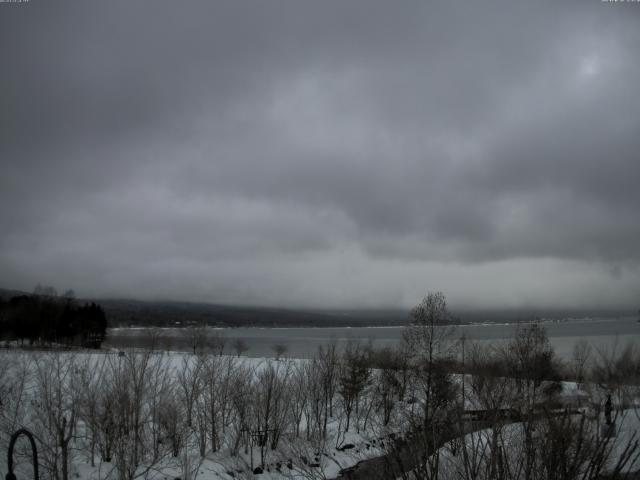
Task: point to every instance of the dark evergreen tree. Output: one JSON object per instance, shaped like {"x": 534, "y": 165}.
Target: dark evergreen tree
{"x": 92, "y": 325}
{"x": 47, "y": 319}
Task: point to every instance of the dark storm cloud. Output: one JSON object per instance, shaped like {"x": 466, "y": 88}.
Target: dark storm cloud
{"x": 347, "y": 153}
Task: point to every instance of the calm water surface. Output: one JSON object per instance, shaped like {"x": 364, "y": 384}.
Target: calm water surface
{"x": 303, "y": 342}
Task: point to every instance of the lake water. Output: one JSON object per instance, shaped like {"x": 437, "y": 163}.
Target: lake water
{"x": 602, "y": 333}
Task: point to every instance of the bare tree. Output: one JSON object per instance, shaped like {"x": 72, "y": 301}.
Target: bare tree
{"x": 327, "y": 363}
{"x": 170, "y": 422}
{"x": 92, "y": 376}
{"x": 429, "y": 337}
{"x": 15, "y": 378}
{"x": 582, "y": 352}
{"x": 271, "y": 404}
{"x": 154, "y": 338}
{"x": 167, "y": 342}
{"x": 279, "y": 350}
{"x": 241, "y": 400}
{"x": 353, "y": 377}
{"x": 491, "y": 394}
{"x": 216, "y": 342}
{"x": 390, "y": 376}
{"x": 530, "y": 361}
{"x": 299, "y": 384}
{"x": 136, "y": 378}
{"x": 190, "y": 463}
{"x": 196, "y": 337}
{"x": 217, "y": 379}
{"x": 615, "y": 373}
{"x": 240, "y": 346}
{"x": 189, "y": 384}
{"x": 57, "y": 398}
{"x": 429, "y": 415}
{"x": 566, "y": 446}
{"x": 159, "y": 396}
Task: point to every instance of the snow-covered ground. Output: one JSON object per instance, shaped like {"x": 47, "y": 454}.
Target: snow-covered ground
{"x": 295, "y": 457}
{"x": 22, "y": 384}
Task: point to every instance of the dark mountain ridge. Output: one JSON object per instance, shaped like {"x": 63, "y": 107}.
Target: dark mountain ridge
{"x": 142, "y": 313}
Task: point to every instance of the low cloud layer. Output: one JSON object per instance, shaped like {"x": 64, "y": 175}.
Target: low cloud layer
{"x": 347, "y": 153}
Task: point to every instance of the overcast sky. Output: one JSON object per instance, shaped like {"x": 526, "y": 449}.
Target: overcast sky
{"x": 322, "y": 153}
